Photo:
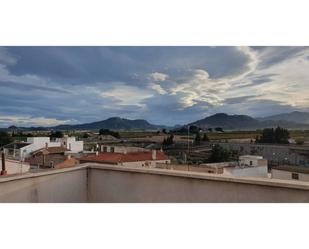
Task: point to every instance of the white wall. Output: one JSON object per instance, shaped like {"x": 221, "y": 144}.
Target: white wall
{"x": 287, "y": 175}
{"x": 122, "y": 149}
{"x": 40, "y": 142}
{"x": 255, "y": 160}
{"x": 71, "y": 144}
{"x": 15, "y": 167}
{"x": 36, "y": 143}
{"x": 257, "y": 171}
{"x": 151, "y": 164}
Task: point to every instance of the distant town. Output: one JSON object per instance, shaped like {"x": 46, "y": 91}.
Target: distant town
{"x": 154, "y": 124}
{"x": 268, "y": 153}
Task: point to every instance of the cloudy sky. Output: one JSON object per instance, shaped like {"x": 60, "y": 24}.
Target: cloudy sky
{"x": 47, "y": 86}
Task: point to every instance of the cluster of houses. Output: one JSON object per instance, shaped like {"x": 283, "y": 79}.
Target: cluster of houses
{"x": 42, "y": 153}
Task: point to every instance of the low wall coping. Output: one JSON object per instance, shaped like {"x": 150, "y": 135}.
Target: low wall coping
{"x": 174, "y": 173}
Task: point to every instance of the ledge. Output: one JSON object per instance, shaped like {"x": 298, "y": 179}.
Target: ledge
{"x": 173, "y": 173}
{"x": 206, "y": 176}
{"x": 42, "y": 173}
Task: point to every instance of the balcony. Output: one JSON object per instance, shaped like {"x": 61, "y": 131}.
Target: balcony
{"x": 107, "y": 184}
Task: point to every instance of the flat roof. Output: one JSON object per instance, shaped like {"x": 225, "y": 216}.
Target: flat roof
{"x": 289, "y": 168}
{"x": 15, "y": 145}
{"x": 251, "y": 157}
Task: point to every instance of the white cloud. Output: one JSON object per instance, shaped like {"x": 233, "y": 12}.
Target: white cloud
{"x": 126, "y": 95}
{"x": 158, "y": 88}
{"x": 28, "y": 120}
{"x": 158, "y": 76}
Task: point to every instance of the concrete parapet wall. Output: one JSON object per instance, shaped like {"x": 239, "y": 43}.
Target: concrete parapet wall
{"x": 116, "y": 184}
{"x": 52, "y": 187}
{"x": 109, "y": 183}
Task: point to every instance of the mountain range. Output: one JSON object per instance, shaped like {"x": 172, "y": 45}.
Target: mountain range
{"x": 114, "y": 123}
{"x": 293, "y": 120}
{"x": 295, "y": 117}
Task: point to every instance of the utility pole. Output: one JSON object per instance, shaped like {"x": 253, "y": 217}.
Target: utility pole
{"x": 188, "y": 146}
{"x": 3, "y": 171}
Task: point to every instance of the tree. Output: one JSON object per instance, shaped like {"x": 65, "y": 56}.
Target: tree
{"x": 5, "y": 138}
{"x": 219, "y": 129}
{"x": 205, "y": 138}
{"x": 86, "y": 135}
{"x": 109, "y": 132}
{"x": 169, "y": 140}
{"x": 278, "y": 136}
{"x": 218, "y": 154}
{"x": 197, "y": 139}
{"x": 56, "y": 134}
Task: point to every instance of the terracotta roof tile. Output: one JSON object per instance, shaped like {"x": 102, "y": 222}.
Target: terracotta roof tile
{"x": 51, "y": 150}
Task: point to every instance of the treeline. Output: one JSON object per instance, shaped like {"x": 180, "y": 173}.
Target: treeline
{"x": 274, "y": 136}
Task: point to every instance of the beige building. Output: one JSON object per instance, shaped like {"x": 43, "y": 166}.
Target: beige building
{"x": 287, "y": 172}
{"x": 251, "y": 166}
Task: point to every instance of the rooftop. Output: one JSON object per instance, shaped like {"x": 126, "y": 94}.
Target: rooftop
{"x": 51, "y": 150}
{"x": 110, "y": 157}
{"x": 16, "y": 145}
{"x": 101, "y": 183}
{"x": 250, "y": 157}
{"x": 290, "y": 168}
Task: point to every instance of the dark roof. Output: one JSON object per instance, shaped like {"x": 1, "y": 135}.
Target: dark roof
{"x": 50, "y": 150}
{"x": 296, "y": 169}
{"x": 15, "y": 145}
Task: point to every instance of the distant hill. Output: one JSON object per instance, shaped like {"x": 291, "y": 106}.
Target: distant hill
{"x": 114, "y": 123}
{"x": 295, "y": 117}
{"x": 228, "y": 122}
{"x": 244, "y": 122}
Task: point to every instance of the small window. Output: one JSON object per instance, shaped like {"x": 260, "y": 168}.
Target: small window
{"x": 250, "y": 163}
{"x": 112, "y": 149}
{"x": 104, "y": 149}
{"x": 295, "y": 176}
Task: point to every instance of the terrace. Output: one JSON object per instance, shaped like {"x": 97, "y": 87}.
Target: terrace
{"x": 99, "y": 183}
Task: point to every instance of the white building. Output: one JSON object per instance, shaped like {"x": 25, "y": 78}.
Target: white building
{"x": 20, "y": 151}
{"x": 249, "y": 160}
{"x": 121, "y": 149}
{"x": 249, "y": 165}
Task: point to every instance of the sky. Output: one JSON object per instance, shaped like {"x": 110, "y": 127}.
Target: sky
{"x": 47, "y": 86}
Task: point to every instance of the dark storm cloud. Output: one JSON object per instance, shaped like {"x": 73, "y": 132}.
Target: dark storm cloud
{"x": 124, "y": 64}
{"x": 165, "y": 85}
{"x": 273, "y": 55}
{"x": 238, "y": 100}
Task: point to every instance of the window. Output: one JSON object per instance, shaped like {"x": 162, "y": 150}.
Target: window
{"x": 250, "y": 163}
{"x": 295, "y": 176}
{"x": 104, "y": 149}
{"x": 112, "y": 149}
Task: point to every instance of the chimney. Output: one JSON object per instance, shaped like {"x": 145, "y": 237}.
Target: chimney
{"x": 46, "y": 145}
{"x": 154, "y": 155}
{"x": 97, "y": 153}
{"x": 68, "y": 157}
{"x": 3, "y": 171}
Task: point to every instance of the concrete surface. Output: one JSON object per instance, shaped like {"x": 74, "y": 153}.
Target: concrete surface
{"x": 108, "y": 183}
